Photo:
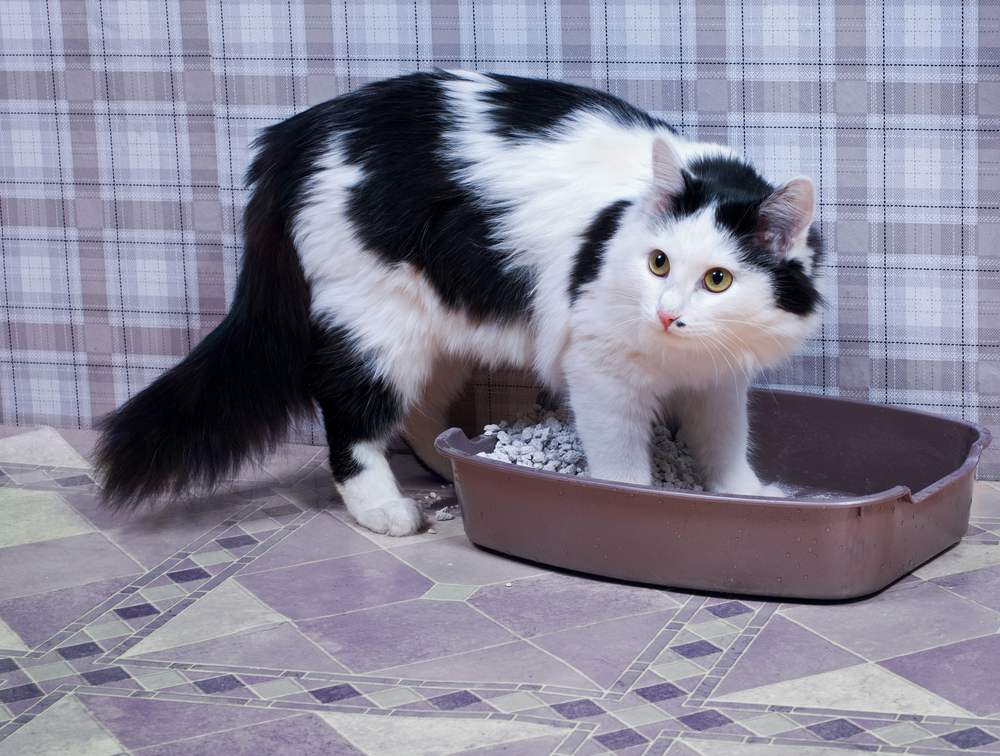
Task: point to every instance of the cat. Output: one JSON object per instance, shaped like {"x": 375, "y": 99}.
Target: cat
{"x": 402, "y": 232}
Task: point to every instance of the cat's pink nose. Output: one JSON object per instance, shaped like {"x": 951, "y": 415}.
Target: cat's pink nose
{"x": 667, "y": 319}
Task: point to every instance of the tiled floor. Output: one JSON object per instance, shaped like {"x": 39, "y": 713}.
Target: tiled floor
{"x": 264, "y": 621}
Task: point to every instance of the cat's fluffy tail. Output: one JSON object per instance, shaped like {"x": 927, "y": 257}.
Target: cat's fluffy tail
{"x": 232, "y": 398}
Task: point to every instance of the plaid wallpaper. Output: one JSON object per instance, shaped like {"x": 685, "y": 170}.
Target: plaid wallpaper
{"x": 125, "y": 125}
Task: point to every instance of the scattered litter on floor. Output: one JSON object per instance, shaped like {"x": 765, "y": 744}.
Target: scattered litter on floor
{"x": 437, "y": 507}
{"x": 432, "y": 499}
{"x": 546, "y": 440}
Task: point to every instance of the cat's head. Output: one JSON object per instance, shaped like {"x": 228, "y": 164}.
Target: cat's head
{"x": 716, "y": 263}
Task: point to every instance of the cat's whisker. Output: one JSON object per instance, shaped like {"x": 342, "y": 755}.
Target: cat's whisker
{"x": 723, "y": 354}
{"x": 744, "y": 369}
{"x": 770, "y": 333}
{"x": 733, "y": 349}
{"x": 759, "y": 377}
{"x": 624, "y": 323}
{"x": 762, "y": 328}
{"x": 715, "y": 364}
{"x": 767, "y": 384}
{"x": 749, "y": 324}
{"x": 742, "y": 344}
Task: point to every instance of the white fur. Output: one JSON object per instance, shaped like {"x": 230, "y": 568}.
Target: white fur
{"x": 393, "y": 312}
{"x": 610, "y": 349}
{"x": 727, "y": 338}
{"x": 372, "y": 497}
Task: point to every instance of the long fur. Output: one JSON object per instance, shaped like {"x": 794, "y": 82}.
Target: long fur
{"x": 231, "y": 398}
{"x": 459, "y": 216}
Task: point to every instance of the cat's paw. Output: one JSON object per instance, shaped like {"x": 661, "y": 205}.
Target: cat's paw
{"x": 747, "y": 486}
{"x": 396, "y": 517}
{"x": 771, "y": 491}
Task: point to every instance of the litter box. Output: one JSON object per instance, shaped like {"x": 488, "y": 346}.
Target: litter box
{"x": 878, "y": 491}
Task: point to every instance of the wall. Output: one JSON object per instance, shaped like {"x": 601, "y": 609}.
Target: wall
{"x": 124, "y": 132}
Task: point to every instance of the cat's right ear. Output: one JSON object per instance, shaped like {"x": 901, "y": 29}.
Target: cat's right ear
{"x": 668, "y": 178}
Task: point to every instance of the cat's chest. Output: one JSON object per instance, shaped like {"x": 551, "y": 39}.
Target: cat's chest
{"x": 671, "y": 370}
{"x": 650, "y": 367}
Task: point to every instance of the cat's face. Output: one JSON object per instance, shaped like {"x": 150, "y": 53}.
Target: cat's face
{"x": 715, "y": 271}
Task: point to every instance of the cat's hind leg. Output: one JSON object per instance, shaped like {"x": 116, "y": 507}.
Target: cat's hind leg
{"x": 362, "y": 407}
{"x": 370, "y": 492}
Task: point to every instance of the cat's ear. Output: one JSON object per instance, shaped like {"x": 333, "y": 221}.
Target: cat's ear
{"x": 785, "y": 216}
{"x": 668, "y": 177}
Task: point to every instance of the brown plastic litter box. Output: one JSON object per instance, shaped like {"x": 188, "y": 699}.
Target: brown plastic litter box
{"x": 899, "y": 486}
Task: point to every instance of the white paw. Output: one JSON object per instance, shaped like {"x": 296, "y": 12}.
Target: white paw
{"x": 396, "y": 517}
{"x": 771, "y": 490}
{"x": 751, "y": 487}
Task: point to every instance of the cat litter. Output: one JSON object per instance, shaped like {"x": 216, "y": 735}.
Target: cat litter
{"x": 431, "y": 502}
{"x": 546, "y": 440}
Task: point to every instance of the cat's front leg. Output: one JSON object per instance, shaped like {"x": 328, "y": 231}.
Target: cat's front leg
{"x": 714, "y": 425}
{"x": 613, "y": 420}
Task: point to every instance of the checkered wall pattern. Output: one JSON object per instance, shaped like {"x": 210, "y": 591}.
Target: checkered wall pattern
{"x": 125, "y": 128}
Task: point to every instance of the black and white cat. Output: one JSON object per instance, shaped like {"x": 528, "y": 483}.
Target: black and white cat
{"x": 418, "y": 225}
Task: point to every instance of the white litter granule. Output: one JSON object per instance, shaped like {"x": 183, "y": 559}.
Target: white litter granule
{"x": 546, "y": 440}
{"x": 436, "y": 507}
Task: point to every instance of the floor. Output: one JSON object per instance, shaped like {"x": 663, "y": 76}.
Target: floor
{"x": 264, "y": 621}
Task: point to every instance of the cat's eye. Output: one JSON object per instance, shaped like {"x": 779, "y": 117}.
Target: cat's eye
{"x": 659, "y": 265}
{"x": 718, "y": 280}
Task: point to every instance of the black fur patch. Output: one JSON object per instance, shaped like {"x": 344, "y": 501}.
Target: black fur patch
{"x": 356, "y": 404}
{"x": 737, "y": 191}
{"x": 409, "y": 208}
{"x": 793, "y": 289}
{"x": 589, "y": 257}
{"x": 729, "y": 180}
{"x": 816, "y": 244}
{"x": 528, "y": 108}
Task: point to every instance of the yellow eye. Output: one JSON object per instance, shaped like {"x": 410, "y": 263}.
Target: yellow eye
{"x": 718, "y": 280}
{"x": 659, "y": 265}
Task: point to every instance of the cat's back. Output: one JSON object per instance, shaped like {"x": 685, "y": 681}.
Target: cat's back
{"x": 512, "y": 107}
{"x": 424, "y": 106}
{"x": 440, "y": 138}
{"x": 518, "y": 108}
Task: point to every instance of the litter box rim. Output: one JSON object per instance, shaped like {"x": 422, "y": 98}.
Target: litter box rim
{"x": 904, "y": 524}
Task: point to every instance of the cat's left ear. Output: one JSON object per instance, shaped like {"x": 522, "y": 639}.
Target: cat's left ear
{"x": 785, "y": 216}
{"x": 668, "y": 178}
